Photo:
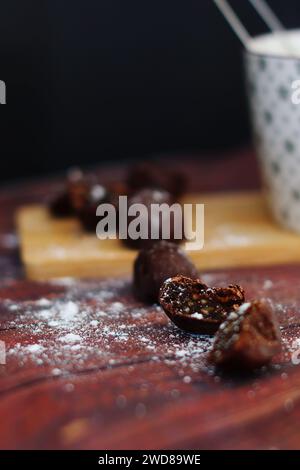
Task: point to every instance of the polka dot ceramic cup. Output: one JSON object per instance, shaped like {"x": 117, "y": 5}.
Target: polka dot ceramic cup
{"x": 272, "y": 70}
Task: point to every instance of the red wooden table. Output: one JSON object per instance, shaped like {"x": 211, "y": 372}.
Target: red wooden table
{"x": 87, "y": 366}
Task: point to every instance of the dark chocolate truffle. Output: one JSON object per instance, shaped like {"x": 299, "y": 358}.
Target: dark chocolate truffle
{"x": 148, "y": 197}
{"x": 75, "y": 194}
{"x": 60, "y": 205}
{"x": 97, "y": 195}
{"x": 78, "y": 188}
{"x": 154, "y": 175}
{"x": 153, "y": 266}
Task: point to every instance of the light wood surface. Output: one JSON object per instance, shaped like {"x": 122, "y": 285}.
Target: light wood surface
{"x": 238, "y": 232}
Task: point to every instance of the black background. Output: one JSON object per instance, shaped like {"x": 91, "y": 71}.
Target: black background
{"x": 94, "y": 80}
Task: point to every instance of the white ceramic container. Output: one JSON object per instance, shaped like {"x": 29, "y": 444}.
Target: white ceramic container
{"x": 273, "y": 81}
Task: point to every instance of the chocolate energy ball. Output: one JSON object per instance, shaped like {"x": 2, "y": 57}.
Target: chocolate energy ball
{"x": 153, "y": 266}
{"x": 115, "y": 190}
{"x": 74, "y": 196}
{"x": 97, "y": 195}
{"x": 60, "y": 205}
{"x": 78, "y": 187}
{"x": 248, "y": 339}
{"x": 149, "y": 197}
{"x": 153, "y": 175}
{"x": 197, "y": 308}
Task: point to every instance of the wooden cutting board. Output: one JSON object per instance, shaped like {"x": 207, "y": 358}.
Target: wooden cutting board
{"x": 238, "y": 232}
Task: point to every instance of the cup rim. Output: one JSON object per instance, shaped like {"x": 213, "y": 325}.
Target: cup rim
{"x": 272, "y": 55}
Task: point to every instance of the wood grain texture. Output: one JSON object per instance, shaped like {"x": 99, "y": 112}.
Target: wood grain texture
{"x": 136, "y": 381}
{"x": 239, "y": 231}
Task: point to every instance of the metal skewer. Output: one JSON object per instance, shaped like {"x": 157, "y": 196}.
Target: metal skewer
{"x": 262, "y": 9}
{"x": 233, "y": 21}
{"x": 267, "y": 15}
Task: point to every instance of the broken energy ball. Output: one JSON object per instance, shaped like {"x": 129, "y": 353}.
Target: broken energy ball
{"x": 197, "y": 308}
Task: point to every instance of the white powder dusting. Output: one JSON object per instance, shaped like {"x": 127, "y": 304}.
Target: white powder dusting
{"x": 243, "y": 308}
{"x": 64, "y": 281}
{"x": 57, "y": 252}
{"x": 233, "y": 316}
{"x": 13, "y": 307}
{"x": 70, "y": 338}
{"x": 34, "y": 348}
{"x": 268, "y": 284}
{"x": 223, "y": 237}
{"x": 69, "y": 311}
{"x": 43, "y": 302}
{"x": 198, "y": 316}
{"x": 187, "y": 379}
{"x": 99, "y": 330}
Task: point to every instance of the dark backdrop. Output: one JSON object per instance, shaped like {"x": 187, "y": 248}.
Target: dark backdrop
{"x": 91, "y": 80}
